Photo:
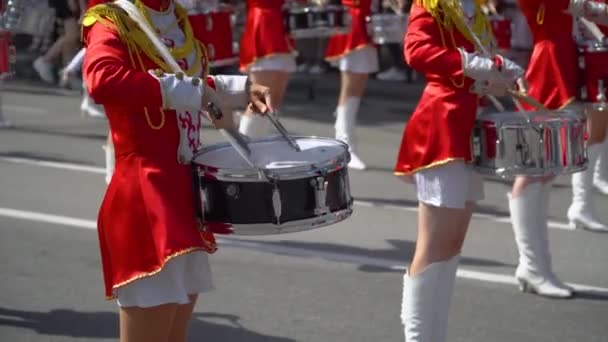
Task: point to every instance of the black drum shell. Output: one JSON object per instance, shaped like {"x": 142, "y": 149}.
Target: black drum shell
{"x": 249, "y": 202}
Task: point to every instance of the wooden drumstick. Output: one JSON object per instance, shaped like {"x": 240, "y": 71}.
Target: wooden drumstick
{"x": 527, "y": 99}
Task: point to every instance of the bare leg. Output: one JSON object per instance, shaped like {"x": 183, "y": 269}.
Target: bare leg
{"x": 441, "y": 233}
{"x": 71, "y": 43}
{"x": 147, "y": 324}
{"x": 181, "y": 321}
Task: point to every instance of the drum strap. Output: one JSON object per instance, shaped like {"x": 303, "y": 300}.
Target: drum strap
{"x": 198, "y": 203}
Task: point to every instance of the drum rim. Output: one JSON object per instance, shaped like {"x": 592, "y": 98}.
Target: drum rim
{"x": 288, "y": 173}
{"x": 574, "y": 115}
{"x": 315, "y": 222}
{"x": 512, "y": 172}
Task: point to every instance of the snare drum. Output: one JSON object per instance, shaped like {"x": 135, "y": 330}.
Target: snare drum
{"x": 387, "y": 28}
{"x": 501, "y": 29}
{"x": 296, "y": 191}
{"x": 507, "y": 144}
{"x": 213, "y": 28}
{"x": 303, "y": 21}
{"x": 592, "y": 62}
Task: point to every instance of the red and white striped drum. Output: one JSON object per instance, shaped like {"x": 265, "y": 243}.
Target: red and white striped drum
{"x": 213, "y": 28}
{"x": 501, "y": 28}
{"x": 592, "y": 62}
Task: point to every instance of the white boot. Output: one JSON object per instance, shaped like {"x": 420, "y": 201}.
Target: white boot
{"x": 346, "y": 116}
{"x": 581, "y": 213}
{"x": 426, "y": 301}
{"x": 254, "y": 126}
{"x": 529, "y": 219}
{"x": 110, "y": 161}
{"x": 600, "y": 175}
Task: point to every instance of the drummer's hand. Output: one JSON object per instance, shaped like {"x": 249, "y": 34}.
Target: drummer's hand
{"x": 260, "y": 99}
{"x": 484, "y": 88}
{"x": 225, "y": 121}
{"x": 522, "y": 85}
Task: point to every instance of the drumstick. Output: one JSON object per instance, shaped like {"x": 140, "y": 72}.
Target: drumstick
{"x": 593, "y": 29}
{"x": 527, "y": 99}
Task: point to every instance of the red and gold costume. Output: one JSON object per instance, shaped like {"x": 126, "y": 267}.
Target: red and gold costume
{"x": 264, "y": 34}
{"x": 148, "y": 213}
{"x": 552, "y": 73}
{"x": 357, "y": 38}
{"x": 212, "y": 26}
{"x": 439, "y": 130}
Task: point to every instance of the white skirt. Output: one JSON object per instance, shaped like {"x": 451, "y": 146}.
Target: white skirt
{"x": 183, "y": 275}
{"x": 361, "y": 61}
{"x": 282, "y": 62}
{"x": 449, "y": 186}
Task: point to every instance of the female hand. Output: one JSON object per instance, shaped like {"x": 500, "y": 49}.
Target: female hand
{"x": 260, "y": 99}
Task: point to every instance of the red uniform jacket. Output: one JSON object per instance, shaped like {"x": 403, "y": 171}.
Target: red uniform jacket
{"x": 440, "y": 128}
{"x": 340, "y": 45}
{"x": 264, "y": 33}
{"x": 148, "y": 215}
{"x": 552, "y": 73}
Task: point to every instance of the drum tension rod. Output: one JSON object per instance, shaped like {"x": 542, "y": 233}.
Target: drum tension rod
{"x": 320, "y": 185}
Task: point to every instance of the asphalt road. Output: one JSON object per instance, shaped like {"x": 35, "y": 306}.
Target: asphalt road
{"x": 340, "y": 283}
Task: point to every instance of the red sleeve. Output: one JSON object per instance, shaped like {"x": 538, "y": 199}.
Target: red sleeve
{"x": 424, "y": 49}
{"x": 110, "y": 76}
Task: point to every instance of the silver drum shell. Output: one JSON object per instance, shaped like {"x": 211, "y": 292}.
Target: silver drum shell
{"x": 508, "y": 144}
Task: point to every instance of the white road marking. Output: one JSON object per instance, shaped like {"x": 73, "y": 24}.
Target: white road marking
{"x": 22, "y": 109}
{"x": 369, "y": 204}
{"x": 54, "y": 165}
{"x": 275, "y": 248}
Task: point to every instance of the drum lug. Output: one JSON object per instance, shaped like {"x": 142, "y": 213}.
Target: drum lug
{"x": 209, "y": 23}
{"x": 276, "y": 204}
{"x": 320, "y": 186}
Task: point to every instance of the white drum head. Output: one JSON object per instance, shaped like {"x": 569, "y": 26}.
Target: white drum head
{"x": 274, "y": 154}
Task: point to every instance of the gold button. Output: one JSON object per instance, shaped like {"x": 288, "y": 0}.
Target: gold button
{"x": 196, "y": 81}
{"x": 179, "y": 75}
{"x": 159, "y": 73}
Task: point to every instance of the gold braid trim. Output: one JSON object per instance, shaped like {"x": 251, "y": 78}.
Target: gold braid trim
{"x": 136, "y": 40}
{"x": 449, "y": 14}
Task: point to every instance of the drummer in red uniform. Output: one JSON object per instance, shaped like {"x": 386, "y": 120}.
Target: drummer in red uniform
{"x": 553, "y": 77}
{"x": 436, "y": 149}
{"x": 267, "y": 55}
{"x": 153, "y": 248}
{"x": 356, "y": 57}
{"x": 590, "y": 36}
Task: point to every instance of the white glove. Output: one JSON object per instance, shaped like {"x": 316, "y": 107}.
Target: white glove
{"x": 592, "y": 10}
{"x": 484, "y": 88}
{"x": 493, "y": 69}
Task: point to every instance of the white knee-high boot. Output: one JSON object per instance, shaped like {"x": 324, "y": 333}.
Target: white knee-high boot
{"x": 346, "y": 117}
{"x": 254, "y": 126}
{"x": 600, "y": 175}
{"x": 529, "y": 220}
{"x": 426, "y": 301}
{"x": 581, "y": 213}
{"x": 110, "y": 161}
